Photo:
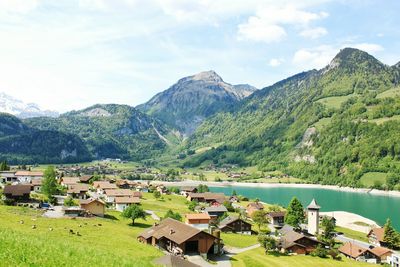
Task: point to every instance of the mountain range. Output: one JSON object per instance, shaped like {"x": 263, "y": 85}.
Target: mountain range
{"x": 11, "y": 105}
{"x": 328, "y": 126}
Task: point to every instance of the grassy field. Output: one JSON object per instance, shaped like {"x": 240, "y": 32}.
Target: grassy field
{"x": 335, "y": 101}
{"x": 369, "y": 178}
{"x": 257, "y": 258}
{"x": 385, "y": 119}
{"x": 238, "y": 240}
{"x": 160, "y": 206}
{"x": 322, "y": 123}
{"x": 101, "y": 242}
{"x": 394, "y": 92}
{"x": 352, "y": 234}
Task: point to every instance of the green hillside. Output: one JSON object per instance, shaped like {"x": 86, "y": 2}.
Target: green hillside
{"x": 273, "y": 127}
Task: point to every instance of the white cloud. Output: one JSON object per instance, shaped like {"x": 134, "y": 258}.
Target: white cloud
{"x": 320, "y": 56}
{"x": 367, "y": 47}
{"x": 275, "y": 62}
{"x": 314, "y": 33}
{"x": 17, "y": 6}
{"x": 268, "y": 24}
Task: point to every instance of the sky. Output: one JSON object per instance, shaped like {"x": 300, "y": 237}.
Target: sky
{"x": 70, "y": 54}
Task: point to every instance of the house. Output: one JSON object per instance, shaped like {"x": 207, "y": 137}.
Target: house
{"x": 199, "y": 220}
{"x": 394, "y": 260}
{"x": 19, "y": 192}
{"x": 207, "y": 197}
{"x": 375, "y": 236}
{"x": 121, "y": 203}
{"x": 354, "y": 251}
{"x": 186, "y": 190}
{"x": 235, "y": 225}
{"x": 85, "y": 179}
{"x": 125, "y": 184}
{"x": 297, "y": 243}
{"x": 277, "y": 218}
{"x": 78, "y": 191}
{"x": 93, "y": 206}
{"x": 67, "y": 181}
{"x": 111, "y": 194}
{"x": 179, "y": 238}
{"x": 253, "y": 207}
{"x": 215, "y": 211}
{"x": 383, "y": 254}
{"x": 7, "y": 177}
{"x": 174, "y": 261}
{"x": 101, "y": 186}
{"x": 234, "y": 199}
{"x": 36, "y": 185}
{"x": 27, "y": 176}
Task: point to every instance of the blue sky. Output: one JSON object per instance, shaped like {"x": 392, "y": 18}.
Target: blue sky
{"x": 70, "y": 54}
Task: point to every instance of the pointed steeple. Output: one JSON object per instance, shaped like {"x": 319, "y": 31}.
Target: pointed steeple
{"x": 313, "y": 205}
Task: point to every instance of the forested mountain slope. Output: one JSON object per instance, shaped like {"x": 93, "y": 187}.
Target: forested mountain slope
{"x": 110, "y": 131}
{"x": 20, "y": 144}
{"x": 327, "y": 126}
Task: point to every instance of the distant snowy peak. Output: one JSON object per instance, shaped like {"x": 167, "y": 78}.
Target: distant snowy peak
{"x": 11, "y": 105}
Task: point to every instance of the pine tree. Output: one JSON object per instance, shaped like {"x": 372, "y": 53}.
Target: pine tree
{"x": 391, "y": 237}
{"x": 295, "y": 213}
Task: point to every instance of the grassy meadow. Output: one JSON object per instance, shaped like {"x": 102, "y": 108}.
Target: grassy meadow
{"x": 335, "y": 101}
{"x": 239, "y": 240}
{"x": 368, "y": 179}
{"x": 257, "y": 258}
{"x": 101, "y": 242}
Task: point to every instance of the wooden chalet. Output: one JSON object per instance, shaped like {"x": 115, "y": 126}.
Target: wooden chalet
{"x": 253, "y": 207}
{"x": 376, "y": 235}
{"x": 179, "y": 238}
{"x": 19, "y": 192}
{"x": 235, "y": 225}
{"x": 93, "y": 206}
{"x": 298, "y": 243}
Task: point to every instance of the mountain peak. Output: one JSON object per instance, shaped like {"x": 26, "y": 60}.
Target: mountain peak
{"x": 353, "y": 58}
{"x": 209, "y": 76}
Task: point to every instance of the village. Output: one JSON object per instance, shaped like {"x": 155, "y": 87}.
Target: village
{"x": 209, "y": 230}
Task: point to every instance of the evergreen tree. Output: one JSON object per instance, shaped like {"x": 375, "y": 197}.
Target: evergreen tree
{"x": 173, "y": 215}
{"x": 49, "y": 183}
{"x": 391, "y": 237}
{"x": 4, "y": 166}
{"x": 295, "y": 213}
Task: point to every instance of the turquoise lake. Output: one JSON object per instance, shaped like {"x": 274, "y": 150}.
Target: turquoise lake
{"x": 374, "y": 207}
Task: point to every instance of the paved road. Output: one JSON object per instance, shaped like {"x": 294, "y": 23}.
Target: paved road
{"x": 221, "y": 261}
{"x": 153, "y": 215}
{"x": 344, "y": 239}
{"x": 56, "y": 213}
{"x": 232, "y": 250}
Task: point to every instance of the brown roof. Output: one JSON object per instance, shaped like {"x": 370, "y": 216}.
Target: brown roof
{"x": 17, "y": 190}
{"x": 198, "y": 216}
{"x": 291, "y": 237}
{"x": 85, "y": 178}
{"x": 119, "y": 192}
{"x": 70, "y": 180}
{"x": 256, "y": 205}
{"x": 380, "y": 251}
{"x": 274, "y": 214}
{"x": 208, "y": 195}
{"x": 173, "y": 230}
{"x": 90, "y": 200}
{"x": 188, "y": 188}
{"x": 127, "y": 200}
{"x": 77, "y": 188}
{"x": 36, "y": 182}
{"x": 174, "y": 261}
{"x": 28, "y": 173}
{"x": 104, "y": 185}
{"x": 352, "y": 250}
{"x": 229, "y": 220}
{"x": 378, "y": 232}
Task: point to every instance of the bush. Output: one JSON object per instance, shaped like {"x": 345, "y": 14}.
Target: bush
{"x": 319, "y": 252}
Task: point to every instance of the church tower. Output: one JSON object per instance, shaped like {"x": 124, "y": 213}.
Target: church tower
{"x": 313, "y": 218}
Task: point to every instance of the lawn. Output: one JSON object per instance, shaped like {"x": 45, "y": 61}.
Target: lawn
{"x": 238, "y": 240}
{"x": 335, "y": 101}
{"x": 174, "y": 202}
{"x": 101, "y": 242}
{"x": 257, "y": 258}
{"x": 394, "y": 92}
{"x": 352, "y": 234}
{"x": 369, "y": 178}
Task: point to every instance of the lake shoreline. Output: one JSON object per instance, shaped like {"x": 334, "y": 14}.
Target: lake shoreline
{"x": 277, "y": 185}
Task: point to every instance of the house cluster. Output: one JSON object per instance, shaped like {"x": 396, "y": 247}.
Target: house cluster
{"x": 19, "y": 184}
